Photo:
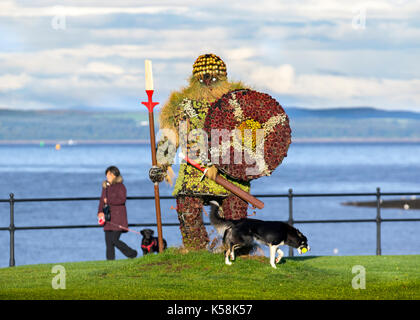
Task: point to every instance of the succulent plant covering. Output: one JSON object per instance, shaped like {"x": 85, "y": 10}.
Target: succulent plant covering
{"x": 194, "y": 234}
{"x": 189, "y": 180}
{"x": 259, "y": 132}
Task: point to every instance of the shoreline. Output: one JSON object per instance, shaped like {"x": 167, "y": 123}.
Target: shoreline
{"x": 142, "y": 141}
{"x": 356, "y": 140}
{"x": 403, "y": 204}
{"x": 71, "y": 142}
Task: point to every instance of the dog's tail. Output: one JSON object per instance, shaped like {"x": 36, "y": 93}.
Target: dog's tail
{"x": 218, "y": 222}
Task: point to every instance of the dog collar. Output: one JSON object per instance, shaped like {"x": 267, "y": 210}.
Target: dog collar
{"x": 149, "y": 247}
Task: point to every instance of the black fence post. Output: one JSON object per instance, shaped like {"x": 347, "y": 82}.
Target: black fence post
{"x": 290, "y": 221}
{"x": 378, "y": 222}
{"x": 12, "y": 230}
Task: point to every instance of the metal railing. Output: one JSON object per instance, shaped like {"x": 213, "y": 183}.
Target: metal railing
{"x": 290, "y": 195}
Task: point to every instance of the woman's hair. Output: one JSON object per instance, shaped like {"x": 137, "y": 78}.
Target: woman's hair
{"x": 114, "y": 170}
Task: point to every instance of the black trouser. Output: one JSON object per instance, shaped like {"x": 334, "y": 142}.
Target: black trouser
{"x": 112, "y": 240}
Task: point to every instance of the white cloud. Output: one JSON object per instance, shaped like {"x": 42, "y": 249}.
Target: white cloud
{"x": 125, "y": 51}
{"x": 268, "y": 10}
{"x": 103, "y": 68}
{"x": 241, "y": 53}
{"x": 280, "y": 79}
{"x": 313, "y": 10}
{"x": 318, "y": 90}
{"x": 306, "y": 50}
{"x": 9, "y": 82}
{"x": 10, "y": 9}
{"x": 213, "y": 33}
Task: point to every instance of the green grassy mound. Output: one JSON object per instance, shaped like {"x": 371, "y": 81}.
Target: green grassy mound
{"x": 202, "y": 275}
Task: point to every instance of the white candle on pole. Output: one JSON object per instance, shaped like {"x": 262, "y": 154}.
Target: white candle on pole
{"x": 149, "y": 74}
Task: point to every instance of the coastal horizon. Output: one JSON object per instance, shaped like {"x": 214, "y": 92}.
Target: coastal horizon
{"x": 145, "y": 142}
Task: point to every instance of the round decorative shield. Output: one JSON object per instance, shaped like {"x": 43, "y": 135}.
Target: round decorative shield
{"x": 249, "y": 134}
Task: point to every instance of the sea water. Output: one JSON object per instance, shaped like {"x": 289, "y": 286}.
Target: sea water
{"x": 32, "y": 171}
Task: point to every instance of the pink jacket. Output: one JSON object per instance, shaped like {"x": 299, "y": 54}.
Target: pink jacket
{"x": 116, "y": 195}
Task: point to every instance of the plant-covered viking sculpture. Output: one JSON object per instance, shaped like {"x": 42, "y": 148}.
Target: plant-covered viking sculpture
{"x": 181, "y": 123}
{"x": 200, "y": 119}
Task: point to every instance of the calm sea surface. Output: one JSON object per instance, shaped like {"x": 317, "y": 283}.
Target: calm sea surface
{"x": 78, "y": 170}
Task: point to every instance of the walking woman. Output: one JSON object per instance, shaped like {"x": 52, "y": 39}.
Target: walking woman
{"x": 114, "y": 194}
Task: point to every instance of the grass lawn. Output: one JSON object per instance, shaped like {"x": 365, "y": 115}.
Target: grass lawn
{"x": 203, "y": 275}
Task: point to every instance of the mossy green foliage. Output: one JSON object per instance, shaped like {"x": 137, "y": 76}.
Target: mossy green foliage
{"x": 189, "y": 182}
{"x": 194, "y": 91}
{"x": 203, "y": 275}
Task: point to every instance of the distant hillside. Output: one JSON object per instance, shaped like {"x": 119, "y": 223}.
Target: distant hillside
{"x": 338, "y": 123}
{"x": 348, "y": 123}
{"x": 349, "y": 113}
{"x": 75, "y": 125}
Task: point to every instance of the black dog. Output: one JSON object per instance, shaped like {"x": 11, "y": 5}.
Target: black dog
{"x": 242, "y": 233}
{"x": 149, "y": 244}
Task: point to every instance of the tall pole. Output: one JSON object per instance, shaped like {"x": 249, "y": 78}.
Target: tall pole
{"x": 150, "y": 105}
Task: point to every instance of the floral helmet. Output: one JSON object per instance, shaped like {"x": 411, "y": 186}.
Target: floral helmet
{"x": 209, "y": 66}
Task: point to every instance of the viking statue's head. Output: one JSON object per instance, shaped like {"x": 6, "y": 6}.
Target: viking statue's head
{"x": 209, "y": 69}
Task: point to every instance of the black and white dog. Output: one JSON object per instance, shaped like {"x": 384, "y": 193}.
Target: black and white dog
{"x": 149, "y": 244}
{"x": 242, "y": 233}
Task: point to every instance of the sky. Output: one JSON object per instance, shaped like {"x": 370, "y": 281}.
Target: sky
{"x": 312, "y": 54}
